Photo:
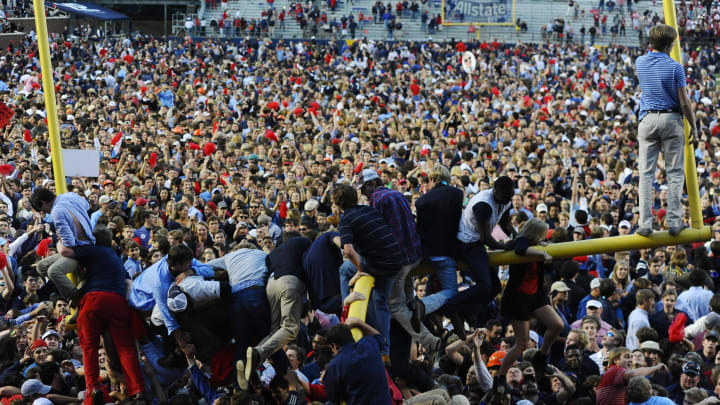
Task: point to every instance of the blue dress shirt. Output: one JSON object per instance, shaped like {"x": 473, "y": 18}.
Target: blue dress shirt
{"x": 151, "y": 287}
{"x": 65, "y": 207}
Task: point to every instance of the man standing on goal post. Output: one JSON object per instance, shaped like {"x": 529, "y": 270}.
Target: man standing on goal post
{"x": 663, "y": 104}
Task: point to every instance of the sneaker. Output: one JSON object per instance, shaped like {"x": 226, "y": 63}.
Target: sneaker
{"x": 75, "y": 298}
{"x": 252, "y": 361}
{"x": 241, "y": 380}
{"x": 675, "y": 230}
{"x": 418, "y": 313}
{"x": 644, "y": 231}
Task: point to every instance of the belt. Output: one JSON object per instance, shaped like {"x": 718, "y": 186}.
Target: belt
{"x": 667, "y": 111}
{"x": 243, "y": 285}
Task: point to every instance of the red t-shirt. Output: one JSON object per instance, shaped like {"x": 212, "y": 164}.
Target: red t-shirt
{"x": 611, "y": 390}
{"x": 529, "y": 283}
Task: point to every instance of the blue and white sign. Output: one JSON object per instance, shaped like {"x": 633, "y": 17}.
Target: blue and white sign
{"x": 89, "y": 10}
{"x": 476, "y": 12}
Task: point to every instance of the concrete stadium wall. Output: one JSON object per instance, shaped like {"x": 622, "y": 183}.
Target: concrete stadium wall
{"x": 55, "y": 25}
{"x": 14, "y": 37}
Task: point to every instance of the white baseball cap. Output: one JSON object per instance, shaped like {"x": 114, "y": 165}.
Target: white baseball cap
{"x": 593, "y": 304}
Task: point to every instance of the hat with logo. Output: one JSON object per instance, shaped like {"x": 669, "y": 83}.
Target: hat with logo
{"x": 691, "y": 369}
{"x": 177, "y": 299}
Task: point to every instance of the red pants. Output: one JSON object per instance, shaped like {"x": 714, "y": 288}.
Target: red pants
{"x": 100, "y": 311}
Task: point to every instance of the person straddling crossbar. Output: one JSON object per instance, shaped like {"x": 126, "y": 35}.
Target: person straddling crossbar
{"x": 72, "y": 224}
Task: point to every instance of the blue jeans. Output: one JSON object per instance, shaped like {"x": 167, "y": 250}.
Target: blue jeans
{"x": 478, "y": 263}
{"x": 445, "y": 271}
{"x": 378, "y": 314}
{"x": 250, "y": 315}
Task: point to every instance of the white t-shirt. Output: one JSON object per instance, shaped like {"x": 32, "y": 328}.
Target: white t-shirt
{"x": 468, "y": 232}
{"x": 201, "y": 291}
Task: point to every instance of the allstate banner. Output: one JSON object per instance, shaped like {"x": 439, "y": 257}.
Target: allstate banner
{"x": 88, "y": 10}
{"x": 478, "y": 12}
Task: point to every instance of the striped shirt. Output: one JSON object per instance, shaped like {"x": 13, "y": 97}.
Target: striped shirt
{"x": 611, "y": 390}
{"x": 660, "y": 76}
{"x": 395, "y": 208}
{"x": 372, "y": 238}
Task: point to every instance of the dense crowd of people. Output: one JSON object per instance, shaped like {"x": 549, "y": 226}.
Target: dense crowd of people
{"x": 245, "y": 187}
{"x": 699, "y": 19}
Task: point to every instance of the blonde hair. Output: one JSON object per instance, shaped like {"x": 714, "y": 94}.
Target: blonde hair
{"x": 582, "y": 336}
{"x": 679, "y": 258}
{"x": 534, "y": 229}
{"x": 439, "y": 173}
{"x": 616, "y": 353}
{"x": 456, "y": 171}
{"x": 614, "y": 276}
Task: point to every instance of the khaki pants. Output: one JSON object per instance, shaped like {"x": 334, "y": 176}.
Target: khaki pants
{"x": 661, "y": 132}
{"x": 285, "y": 295}
{"x": 402, "y": 292}
{"x": 434, "y": 397}
{"x": 56, "y": 267}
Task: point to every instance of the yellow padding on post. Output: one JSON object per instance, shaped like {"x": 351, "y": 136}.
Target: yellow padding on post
{"x": 358, "y": 309}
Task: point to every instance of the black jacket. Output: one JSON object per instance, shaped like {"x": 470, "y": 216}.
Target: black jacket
{"x": 438, "y": 219}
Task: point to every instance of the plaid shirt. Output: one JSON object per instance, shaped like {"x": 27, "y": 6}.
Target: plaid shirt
{"x": 395, "y": 208}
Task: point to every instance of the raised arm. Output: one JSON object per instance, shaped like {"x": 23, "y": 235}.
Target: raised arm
{"x": 482, "y": 373}
{"x": 568, "y": 389}
{"x": 8, "y": 279}
{"x": 366, "y": 329}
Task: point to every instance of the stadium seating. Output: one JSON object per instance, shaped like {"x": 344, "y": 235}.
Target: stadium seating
{"x": 535, "y": 13}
